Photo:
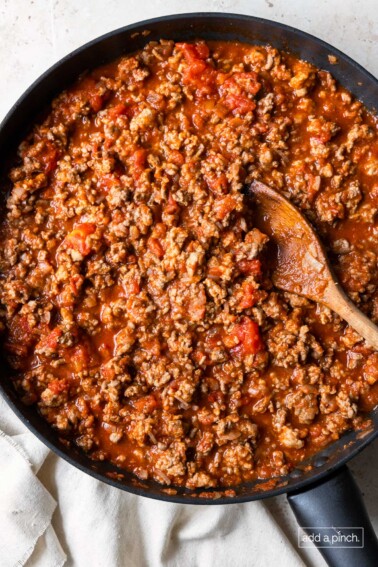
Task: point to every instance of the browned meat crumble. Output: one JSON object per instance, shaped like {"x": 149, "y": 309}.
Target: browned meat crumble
{"x": 138, "y": 313}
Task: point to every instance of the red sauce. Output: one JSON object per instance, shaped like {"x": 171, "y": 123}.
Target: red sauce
{"x": 139, "y": 313}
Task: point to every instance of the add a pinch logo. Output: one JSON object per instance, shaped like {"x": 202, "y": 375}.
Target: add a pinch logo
{"x": 331, "y": 536}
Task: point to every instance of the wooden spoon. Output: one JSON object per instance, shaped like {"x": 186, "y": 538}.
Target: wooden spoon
{"x": 300, "y": 264}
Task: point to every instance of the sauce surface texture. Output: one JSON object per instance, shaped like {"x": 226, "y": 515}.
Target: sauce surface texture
{"x": 138, "y": 312}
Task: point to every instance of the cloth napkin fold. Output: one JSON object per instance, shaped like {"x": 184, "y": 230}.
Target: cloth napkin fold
{"x": 52, "y": 514}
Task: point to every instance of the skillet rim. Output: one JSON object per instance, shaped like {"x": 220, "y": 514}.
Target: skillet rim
{"x": 348, "y": 450}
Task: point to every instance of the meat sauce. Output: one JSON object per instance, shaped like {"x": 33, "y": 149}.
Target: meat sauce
{"x": 138, "y": 313}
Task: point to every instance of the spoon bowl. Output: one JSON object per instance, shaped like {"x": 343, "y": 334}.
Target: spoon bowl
{"x": 300, "y": 264}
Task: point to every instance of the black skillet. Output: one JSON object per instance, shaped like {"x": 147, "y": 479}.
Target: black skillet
{"x": 322, "y": 492}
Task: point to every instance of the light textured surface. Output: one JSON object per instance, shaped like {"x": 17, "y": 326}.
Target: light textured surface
{"x": 35, "y": 34}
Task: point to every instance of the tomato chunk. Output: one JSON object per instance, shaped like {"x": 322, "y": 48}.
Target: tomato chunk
{"x": 79, "y": 357}
{"x": 224, "y": 206}
{"x": 239, "y": 103}
{"x": 247, "y": 82}
{"x": 251, "y": 267}
{"x": 171, "y": 207}
{"x": 50, "y": 159}
{"x": 155, "y": 247}
{"x": 138, "y": 161}
{"x": 216, "y": 183}
{"x": 248, "y": 334}
{"x": 238, "y": 91}
{"x": 194, "y": 51}
{"x": 249, "y": 295}
{"x": 90, "y": 90}
{"x": 107, "y": 181}
{"x": 96, "y": 101}
{"x": 58, "y": 386}
{"x": 118, "y": 110}
{"x": 78, "y": 238}
{"x": 146, "y": 405}
{"x": 198, "y": 74}
{"x": 50, "y": 341}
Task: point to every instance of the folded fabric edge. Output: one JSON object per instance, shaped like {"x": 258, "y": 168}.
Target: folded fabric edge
{"x": 16, "y": 446}
{"x": 47, "y": 552}
{"x": 47, "y": 521}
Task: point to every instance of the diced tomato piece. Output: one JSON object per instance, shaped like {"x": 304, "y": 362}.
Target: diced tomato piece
{"x": 202, "y": 50}
{"x": 79, "y": 358}
{"x": 96, "y": 101}
{"x": 251, "y": 267}
{"x": 152, "y": 346}
{"x": 58, "y": 386}
{"x": 134, "y": 287}
{"x": 217, "y": 183}
{"x": 249, "y": 297}
{"x": 131, "y": 287}
{"x": 215, "y": 272}
{"x": 216, "y": 397}
{"x": 146, "y": 405}
{"x": 198, "y": 119}
{"x": 118, "y": 110}
{"x": 50, "y": 158}
{"x": 193, "y": 51}
{"x": 76, "y": 281}
{"x": 108, "y": 371}
{"x": 171, "y": 207}
{"x": 201, "y": 77}
{"x": 198, "y": 355}
{"x": 155, "y": 247}
{"x": 239, "y": 103}
{"x": 247, "y": 332}
{"x": 105, "y": 350}
{"x": 138, "y": 161}
{"x": 249, "y": 335}
{"x": 195, "y": 68}
{"x": 198, "y": 73}
{"x": 78, "y": 238}
{"x": 139, "y": 157}
{"x": 197, "y": 306}
{"x": 50, "y": 341}
{"x": 321, "y": 130}
{"x": 107, "y": 181}
{"x": 213, "y": 339}
{"x": 248, "y": 82}
{"x": 88, "y": 86}
{"x": 224, "y": 206}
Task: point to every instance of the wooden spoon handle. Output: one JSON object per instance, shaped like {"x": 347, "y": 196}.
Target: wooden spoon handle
{"x": 337, "y": 300}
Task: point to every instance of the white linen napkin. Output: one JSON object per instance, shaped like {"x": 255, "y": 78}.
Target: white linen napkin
{"x": 52, "y": 514}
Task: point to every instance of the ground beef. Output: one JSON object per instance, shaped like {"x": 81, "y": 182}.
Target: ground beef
{"x": 138, "y": 313}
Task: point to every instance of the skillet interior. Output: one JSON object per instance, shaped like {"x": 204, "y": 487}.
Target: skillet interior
{"x": 127, "y": 40}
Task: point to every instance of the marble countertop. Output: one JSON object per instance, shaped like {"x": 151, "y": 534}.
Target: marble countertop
{"x": 36, "y": 34}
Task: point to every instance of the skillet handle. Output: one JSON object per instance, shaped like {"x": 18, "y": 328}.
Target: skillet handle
{"x": 336, "y": 502}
